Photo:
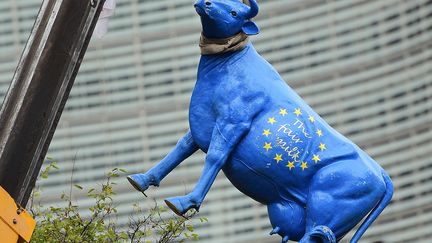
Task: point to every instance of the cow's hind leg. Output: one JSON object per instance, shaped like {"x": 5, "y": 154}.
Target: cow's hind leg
{"x": 287, "y": 219}
{"x": 340, "y": 196}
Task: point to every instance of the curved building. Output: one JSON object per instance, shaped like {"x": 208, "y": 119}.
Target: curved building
{"x": 365, "y": 66}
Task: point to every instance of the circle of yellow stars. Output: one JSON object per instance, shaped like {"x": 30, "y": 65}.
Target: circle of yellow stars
{"x": 279, "y": 157}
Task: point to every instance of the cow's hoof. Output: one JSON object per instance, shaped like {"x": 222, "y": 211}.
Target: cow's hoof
{"x": 180, "y": 205}
{"x": 141, "y": 182}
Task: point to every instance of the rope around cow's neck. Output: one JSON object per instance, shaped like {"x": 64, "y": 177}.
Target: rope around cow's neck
{"x": 218, "y": 46}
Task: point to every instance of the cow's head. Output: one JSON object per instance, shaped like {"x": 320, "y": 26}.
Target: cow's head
{"x": 225, "y": 18}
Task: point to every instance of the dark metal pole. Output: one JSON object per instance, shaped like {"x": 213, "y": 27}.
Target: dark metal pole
{"x": 40, "y": 88}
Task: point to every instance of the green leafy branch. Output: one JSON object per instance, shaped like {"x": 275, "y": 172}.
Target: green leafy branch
{"x": 66, "y": 224}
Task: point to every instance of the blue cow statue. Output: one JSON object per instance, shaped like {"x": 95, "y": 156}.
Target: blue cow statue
{"x": 271, "y": 145}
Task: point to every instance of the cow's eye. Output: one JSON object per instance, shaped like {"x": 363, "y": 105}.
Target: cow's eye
{"x": 234, "y": 13}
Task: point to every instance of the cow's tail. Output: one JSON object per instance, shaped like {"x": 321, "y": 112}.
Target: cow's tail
{"x": 385, "y": 200}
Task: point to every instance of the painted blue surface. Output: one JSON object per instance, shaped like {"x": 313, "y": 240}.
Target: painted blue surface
{"x": 270, "y": 144}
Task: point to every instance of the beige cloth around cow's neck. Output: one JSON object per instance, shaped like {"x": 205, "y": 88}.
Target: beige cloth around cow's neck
{"x": 218, "y": 46}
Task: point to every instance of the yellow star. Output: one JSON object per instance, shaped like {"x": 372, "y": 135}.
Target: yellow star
{"x": 319, "y": 133}
{"x": 290, "y": 165}
{"x": 312, "y": 119}
{"x": 316, "y": 158}
{"x": 266, "y": 132}
{"x": 283, "y": 112}
{"x": 267, "y": 146}
{"x": 322, "y": 146}
{"x": 271, "y": 120}
{"x": 304, "y": 165}
{"x": 278, "y": 158}
{"x": 297, "y": 112}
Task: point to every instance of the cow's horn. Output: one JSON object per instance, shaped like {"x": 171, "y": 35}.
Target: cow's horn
{"x": 253, "y": 9}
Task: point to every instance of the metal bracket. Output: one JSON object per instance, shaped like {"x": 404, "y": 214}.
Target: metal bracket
{"x": 15, "y": 222}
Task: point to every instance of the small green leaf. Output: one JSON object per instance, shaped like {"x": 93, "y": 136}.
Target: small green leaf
{"x": 190, "y": 227}
{"x": 124, "y": 236}
{"x": 78, "y": 186}
{"x": 44, "y": 175}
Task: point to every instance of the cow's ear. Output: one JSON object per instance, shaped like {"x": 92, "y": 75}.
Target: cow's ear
{"x": 250, "y": 28}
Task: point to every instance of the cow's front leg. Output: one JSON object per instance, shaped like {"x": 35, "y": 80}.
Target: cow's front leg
{"x": 183, "y": 149}
{"x": 220, "y": 148}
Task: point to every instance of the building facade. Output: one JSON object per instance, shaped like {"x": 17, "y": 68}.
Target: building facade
{"x": 364, "y": 65}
